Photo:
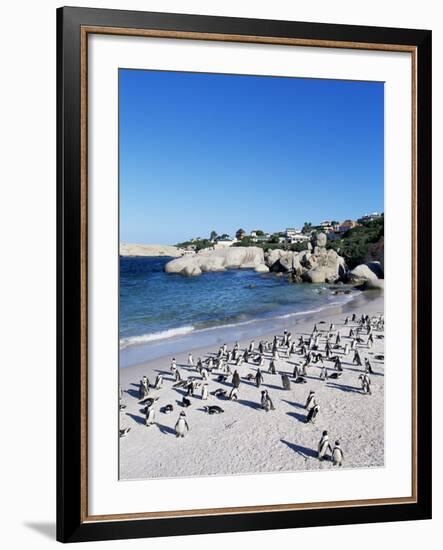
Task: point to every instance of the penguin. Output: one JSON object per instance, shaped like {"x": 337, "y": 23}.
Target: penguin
{"x": 214, "y": 409}
{"x": 337, "y": 454}
{"x": 324, "y": 373}
{"x": 219, "y": 393}
{"x": 272, "y": 369}
{"x": 181, "y": 427}
{"x": 204, "y": 374}
{"x": 258, "y": 378}
{"x": 335, "y": 375}
{"x": 365, "y": 383}
{"x": 337, "y": 364}
{"x": 190, "y": 360}
{"x": 310, "y": 401}
{"x": 312, "y": 414}
{"x": 286, "y": 382}
{"x": 124, "y": 431}
{"x": 324, "y": 446}
{"x": 346, "y": 349}
{"x": 266, "y": 401}
{"x": 222, "y": 378}
{"x": 177, "y": 376}
{"x": 353, "y": 317}
{"x": 296, "y": 372}
{"x": 251, "y": 347}
{"x": 158, "y": 382}
{"x": 150, "y": 416}
{"x": 167, "y": 409}
{"x": 236, "y": 379}
{"x": 144, "y": 388}
{"x": 249, "y": 376}
{"x": 173, "y": 366}
{"x": 300, "y": 380}
{"x": 357, "y": 359}
{"x": 337, "y": 338}
{"x": 186, "y": 402}
{"x": 368, "y": 367}
{"x": 204, "y": 394}
{"x": 233, "y": 395}
{"x": 346, "y": 320}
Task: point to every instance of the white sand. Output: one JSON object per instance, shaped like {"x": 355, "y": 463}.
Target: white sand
{"x": 128, "y": 249}
{"x": 245, "y": 438}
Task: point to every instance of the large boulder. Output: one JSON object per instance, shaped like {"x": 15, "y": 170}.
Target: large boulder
{"x": 261, "y": 268}
{"x": 217, "y": 260}
{"x": 360, "y": 274}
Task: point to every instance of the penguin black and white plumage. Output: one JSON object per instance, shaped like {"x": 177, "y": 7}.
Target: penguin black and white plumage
{"x": 123, "y": 432}
{"x": 186, "y": 402}
{"x": 312, "y": 414}
{"x": 324, "y": 373}
{"x": 266, "y": 401}
{"x": 357, "y": 359}
{"x": 365, "y": 383}
{"x": 337, "y": 364}
{"x": 324, "y": 446}
{"x": 233, "y": 395}
{"x": 158, "y": 382}
{"x": 173, "y": 366}
{"x": 204, "y": 394}
{"x": 286, "y": 382}
{"x": 310, "y": 401}
{"x": 236, "y": 379}
{"x": 144, "y": 388}
{"x": 167, "y": 409}
{"x": 190, "y": 360}
{"x": 335, "y": 375}
{"x": 219, "y": 392}
{"x": 368, "y": 367}
{"x": 150, "y": 416}
{"x": 177, "y": 375}
{"x": 272, "y": 369}
{"x": 214, "y": 409}
{"x": 258, "y": 378}
{"x": 181, "y": 427}
{"x": 337, "y": 454}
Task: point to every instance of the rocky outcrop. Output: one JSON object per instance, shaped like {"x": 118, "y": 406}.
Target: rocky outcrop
{"x": 365, "y": 272}
{"x": 315, "y": 265}
{"x": 219, "y": 260}
{"x": 374, "y": 284}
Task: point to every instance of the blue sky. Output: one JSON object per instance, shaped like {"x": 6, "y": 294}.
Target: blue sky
{"x": 207, "y": 151}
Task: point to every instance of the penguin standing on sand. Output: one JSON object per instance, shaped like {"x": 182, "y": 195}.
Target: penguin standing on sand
{"x": 286, "y": 382}
{"x": 324, "y": 373}
{"x": 266, "y": 401}
{"x": 236, "y": 379}
{"x": 324, "y": 446}
{"x": 158, "y": 382}
{"x": 338, "y": 338}
{"x": 365, "y": 383}
{"x": 251, "y": 347}
{"x": 357, "y": 359}
{"x": 181, "y": 426}
{"x": 296, "y": 372}
{"x": 337, "y": 454}
{"x": 312, "y": 414}
{"x": 150, "y": 416}
{"x": 177, "y": 375}
{"x": 337, "y": 364}
{"x": 272, "y": 369}
{"x": 233, "y": 395}
{"x": 310, "y": 401}
{"x": 144, "y": 388}
{"x": 258, "y": 378}
{"x": 204, "y": 373}
{"x": 346, "y": 350}
{"x": 173, "y": 366}
{"x": 368, "y": 367}
{"x": 190, "y": 360}
{"x": 205, "y": 391}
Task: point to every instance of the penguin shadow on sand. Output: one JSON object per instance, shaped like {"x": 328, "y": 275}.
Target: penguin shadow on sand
{"x": 298, "y": 416}
{"x": 294, "y": 404}
{"x": 133, "y": 393}
{"x": 343, "y": 387}
{"x": 250, "y": 404}
{"x": 136, "y": 418}
{"x": 305, "y": 452}
{"x": 167, "y": 430}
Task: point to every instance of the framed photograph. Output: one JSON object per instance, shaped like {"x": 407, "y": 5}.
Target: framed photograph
{"x": 244, "y": 274}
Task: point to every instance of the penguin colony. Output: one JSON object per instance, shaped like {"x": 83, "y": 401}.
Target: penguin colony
{"x": 323, "y": 354}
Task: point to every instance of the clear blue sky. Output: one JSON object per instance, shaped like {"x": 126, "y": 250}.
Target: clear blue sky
{"x": 208, "y": 151}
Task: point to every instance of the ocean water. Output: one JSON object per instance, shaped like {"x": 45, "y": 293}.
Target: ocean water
{"x": 161, "y": 314}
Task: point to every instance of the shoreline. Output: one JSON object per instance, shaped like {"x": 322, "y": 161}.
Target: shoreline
{"x": 245, "y": 439}
{"x": 187, "y": 337}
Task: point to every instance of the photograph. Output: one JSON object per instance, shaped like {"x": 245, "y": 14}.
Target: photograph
{"x": 251, "y": 274}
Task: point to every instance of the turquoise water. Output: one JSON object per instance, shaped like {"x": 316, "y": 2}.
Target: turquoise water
{"x": 160, "y": 313}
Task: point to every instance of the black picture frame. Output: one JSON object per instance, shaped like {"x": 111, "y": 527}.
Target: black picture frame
{"x": 71, "y": 524}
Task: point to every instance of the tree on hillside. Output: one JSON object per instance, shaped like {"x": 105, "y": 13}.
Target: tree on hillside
{"x": 213, "y": 235}
{"x": 307, "y": 227}
{"x": 240, "y": 234}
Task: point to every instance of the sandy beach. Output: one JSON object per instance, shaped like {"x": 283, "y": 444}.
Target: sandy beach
{"x": 246, "y": 438}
